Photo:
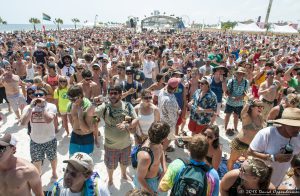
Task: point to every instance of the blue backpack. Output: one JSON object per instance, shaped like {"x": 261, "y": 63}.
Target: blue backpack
{"x": 191, "y": 181}
{"x": 136, "y": 150}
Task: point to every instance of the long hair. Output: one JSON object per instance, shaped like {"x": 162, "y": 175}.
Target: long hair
{"x": 215, "y": 129}
{"x": 262, "y": 171}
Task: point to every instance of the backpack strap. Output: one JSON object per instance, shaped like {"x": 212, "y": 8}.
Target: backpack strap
{"x": 149, "y": 151}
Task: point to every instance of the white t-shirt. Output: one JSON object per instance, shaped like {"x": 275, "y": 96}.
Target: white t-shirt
{"x": 102, "y": 191}
{"x": 205, "y": 71}
{"x": 148, "y": 68}
{"x": 41, "y": 132}
{"x": 67, "y": 71}
{"x": 269, "y": 141}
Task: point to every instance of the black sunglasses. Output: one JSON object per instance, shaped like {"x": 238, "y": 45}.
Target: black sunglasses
{"x": 3, "y": 149}
{"x": 63, "y": 81}
{"x": 39, "y": 94}
{"x": 113, "y": 93}
{"x": 73, "y": 99}
{"x": 147, "y": 98}
{"x": 88, "y": 79}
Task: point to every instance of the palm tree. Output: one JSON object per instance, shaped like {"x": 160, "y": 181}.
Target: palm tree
{"x": 34, "y": 21}
{"x": 58, "y": 21}
{"x": 2, "y": 21}
{"x": 75, "y": 21}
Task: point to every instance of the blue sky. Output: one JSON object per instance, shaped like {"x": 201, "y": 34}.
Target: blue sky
{"x": 19, "y": 11}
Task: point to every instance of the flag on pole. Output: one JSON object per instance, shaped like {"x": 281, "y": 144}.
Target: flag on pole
{"x": 46, "y": 17}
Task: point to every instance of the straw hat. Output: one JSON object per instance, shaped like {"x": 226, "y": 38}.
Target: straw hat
{"x": 241, "y": 70}
{"x": 290, "y": 117}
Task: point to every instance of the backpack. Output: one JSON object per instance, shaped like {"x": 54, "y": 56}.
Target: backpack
{"x": 108, "y": 107}
{"x": 136, "y": 150}
{"x": 191, "y": 181}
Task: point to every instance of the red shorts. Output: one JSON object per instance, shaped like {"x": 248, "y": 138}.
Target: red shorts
{"x": 255, "y": 91}
{"x": 195, "y": 128}
{"x": 179, "y": 121}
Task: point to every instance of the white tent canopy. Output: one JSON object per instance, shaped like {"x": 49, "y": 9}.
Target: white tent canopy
{"x": 283, "y": 29}
{"x": 252, "y": 27}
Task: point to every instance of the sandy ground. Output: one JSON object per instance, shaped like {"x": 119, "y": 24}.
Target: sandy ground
{"x": 120, "y": 186}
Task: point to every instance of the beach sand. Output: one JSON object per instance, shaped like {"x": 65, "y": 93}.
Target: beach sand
{"x": 120, "y": 186}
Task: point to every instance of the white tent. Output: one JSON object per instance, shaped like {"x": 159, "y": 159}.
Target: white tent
{"x": 282, "y": 29}
{"x": 252, "y": 27}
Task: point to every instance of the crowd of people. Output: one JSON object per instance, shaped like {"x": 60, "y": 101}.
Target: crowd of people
{"x": 155, "y": 92}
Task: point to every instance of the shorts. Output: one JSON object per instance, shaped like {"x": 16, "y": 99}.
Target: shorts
{"x": 16, "y": 101}
{"x": 152, "y": 184}
{"x": 3, "y": 95}
{"x": 239, "y": 146}
{"x": 81, "y": 143}
{"x": 237, "y": 110}
{"x": 148, "y": 82}
{"x": 38, "y": 151}
{"x": 113, "y": 156}
{"x": 195, "y": 128}
{"x": 179, "y": 121}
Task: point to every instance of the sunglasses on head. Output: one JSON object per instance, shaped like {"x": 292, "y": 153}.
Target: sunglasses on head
{"x": 39, "y": 94}
{"x": 73, "y": 99}
{"x": 113, "y": 93}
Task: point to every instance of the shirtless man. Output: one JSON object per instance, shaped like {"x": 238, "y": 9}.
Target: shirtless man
{"x": 17, "y": 176}
{"x": 149, "y": 171}
{"x": 11, "y": 83}
{"x": 267, "y": 92}
{"x": 112, "y": 71}
{"x": 82, "y": 139}
{"x": 90, "y": 88}
{"x": 121, "y": 76}
{"x": 20, "y": 67}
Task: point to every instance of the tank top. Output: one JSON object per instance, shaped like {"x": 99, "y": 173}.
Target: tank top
{"x": 52, "y": 81}
{"x": 30, "y": 73}
{"x": 145, "y": 121}
{"x": 178, "y": 94}
{"x": 217, "y": 89}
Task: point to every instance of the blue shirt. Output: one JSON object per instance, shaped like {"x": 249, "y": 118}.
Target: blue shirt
{"x": 217, "y": 89}
{"x": 179, "y": 95}
{"x": 208, "y": 101}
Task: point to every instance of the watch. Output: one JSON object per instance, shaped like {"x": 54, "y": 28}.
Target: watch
{"x": 271, "y": 157}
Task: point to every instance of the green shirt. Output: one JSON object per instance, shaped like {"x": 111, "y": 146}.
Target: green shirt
{"x": 113, "y": 115}
{"x": 85, "y": 104}
{"x": 213, "y": 57}
{"x": 295, "y": 84}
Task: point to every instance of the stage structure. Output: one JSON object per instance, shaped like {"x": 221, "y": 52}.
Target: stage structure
{"x": 162, "y": 22}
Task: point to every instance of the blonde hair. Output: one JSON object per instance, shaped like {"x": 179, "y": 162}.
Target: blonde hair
{"x": 293, "y": 99}
{"x": 62, "y": 78}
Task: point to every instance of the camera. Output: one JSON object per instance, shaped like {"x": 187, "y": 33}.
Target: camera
{"x": 288, "y": 149}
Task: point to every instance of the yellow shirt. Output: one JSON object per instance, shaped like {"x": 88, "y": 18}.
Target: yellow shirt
{"x": 63, "y": 101}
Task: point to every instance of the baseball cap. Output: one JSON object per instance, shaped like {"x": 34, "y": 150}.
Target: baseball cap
{"x": 7, "y": 140}
{"x": 170, "y": 62}
{"x": 270, "y": 72}
{"x": 173, "y": 82}
{"x": 81, "y": 162}
{"x": 96, "y": 65}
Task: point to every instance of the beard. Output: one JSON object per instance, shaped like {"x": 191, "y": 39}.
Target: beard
{"x": 114, "y": 100}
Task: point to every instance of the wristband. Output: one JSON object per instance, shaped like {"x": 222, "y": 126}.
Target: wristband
{"x": 272, "y": 158}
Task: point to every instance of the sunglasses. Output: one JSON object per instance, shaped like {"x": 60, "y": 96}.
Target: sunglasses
{"x": 39, "y": 67}
{"x": 73, "y": 99}
{"x": 113, "y": 93}
{"x": 28, "y": 59}
{"x": 88, "y": 79}
{"x": 96, "y": 69}
{"x": 79, "y": 68}
{"x": 39, "y": 94}
{"x": 114, "y": 63}
{"x": 128, "y": 73}
{"x": 259, "y": 106}
{"x": 3, "y": 149}
{"x": 147, "y": 98}
{"x": 63, "y": 81}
